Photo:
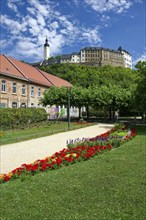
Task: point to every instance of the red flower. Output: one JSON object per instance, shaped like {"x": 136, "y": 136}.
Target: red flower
{"x": 6, "y": 178}
{"x": 59, "y": 161}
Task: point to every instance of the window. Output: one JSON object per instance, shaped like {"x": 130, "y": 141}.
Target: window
{"x": 32, "y": 91}
{"x": 14, "y": 88}
{"x": 39, "y": 92}
{"x": 14, "y": 104}
{"x": 32, "y": 105}
{"x": 3, "y": 105}
{"x": 3, "y": 86}
{"x": 23, "y": 105}
{"x": 23, "y": 89}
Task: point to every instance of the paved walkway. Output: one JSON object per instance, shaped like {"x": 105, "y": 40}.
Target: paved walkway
{"x": 13, "y": 155}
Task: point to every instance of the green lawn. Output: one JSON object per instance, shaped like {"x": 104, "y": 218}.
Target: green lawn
{"x": 45, "y": 129}
{"x": 110, "y": 186}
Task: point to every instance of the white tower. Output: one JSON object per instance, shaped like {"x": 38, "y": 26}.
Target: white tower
{"x": 46, "y": 50}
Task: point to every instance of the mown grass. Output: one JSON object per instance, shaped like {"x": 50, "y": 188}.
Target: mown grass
{"x": 45, "y": 129}
{"x": 110, "y": 186}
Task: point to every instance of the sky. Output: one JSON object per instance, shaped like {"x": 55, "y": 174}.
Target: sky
{"x": 71, "y": 25}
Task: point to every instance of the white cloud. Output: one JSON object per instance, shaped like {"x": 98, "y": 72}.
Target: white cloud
{"x": 91, "y": 35}
{"x": 42, "y": 9}
{"x": 105, "y": 19}
{"x": 14, "y": 26}
{"x": 101, "y": 6}
{"x": 12, "y": 6}
{"x": 28, "y": 33}
{"x": 54, "y": 25}
{"x": 41, "y": 20}
{"x": 141, "y": 57}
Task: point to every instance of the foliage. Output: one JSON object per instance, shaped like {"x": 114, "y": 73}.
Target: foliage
{"x": 21, "y": 117}
{"x": 55, "y": 96}
{"x": 106, "y": 87}
{"x": 141, "y": 88}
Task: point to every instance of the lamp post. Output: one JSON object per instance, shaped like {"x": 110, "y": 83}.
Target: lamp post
{"x": 68, "y": 109}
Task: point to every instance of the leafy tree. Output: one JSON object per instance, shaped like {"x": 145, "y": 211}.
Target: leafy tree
{"x": 104, "y": 87}
{"x": 55, "y": 96}
{"x": 140, "y": 96}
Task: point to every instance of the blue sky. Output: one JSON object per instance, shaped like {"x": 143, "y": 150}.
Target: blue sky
{"x": 71, "y": 25}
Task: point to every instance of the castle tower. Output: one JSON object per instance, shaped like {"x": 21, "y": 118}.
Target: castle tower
{"x": 46, "y": 50}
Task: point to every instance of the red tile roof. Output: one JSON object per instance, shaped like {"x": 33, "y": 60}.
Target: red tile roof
{"x": 18, "y": 69}
{"x": 30, "y": 72}
{"x": 7, "y": 68}
{"x": 56, "y": 81}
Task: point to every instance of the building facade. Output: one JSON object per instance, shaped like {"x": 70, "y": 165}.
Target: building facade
{"x": 94, "y": 56}
{"x": 101, "y": 56}
{"x": 127, "y": 57}
{"x": 23, "y": 85}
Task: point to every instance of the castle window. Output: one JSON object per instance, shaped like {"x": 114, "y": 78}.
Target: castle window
{"x": 14, "y": 88}
{"x": 3, "y": 88}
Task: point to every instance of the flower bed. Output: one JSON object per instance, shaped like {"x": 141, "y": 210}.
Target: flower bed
{"x": 66, "y": 157}
{"x": 114, "y": 137}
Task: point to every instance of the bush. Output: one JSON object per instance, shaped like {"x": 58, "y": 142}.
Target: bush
{"x": 21, "y": 117}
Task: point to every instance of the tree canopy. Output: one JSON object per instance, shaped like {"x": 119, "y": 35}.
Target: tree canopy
{"x": 105, "y": 87}
{"x": 141, "y": 88}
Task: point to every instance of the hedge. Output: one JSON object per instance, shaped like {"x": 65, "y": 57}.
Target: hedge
{"x": 11, "y": 118}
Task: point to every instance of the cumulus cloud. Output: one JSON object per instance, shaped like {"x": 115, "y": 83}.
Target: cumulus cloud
{"x": 43, "y": 18}
{"x": 105, "y": 19}
{"x": 12, "y": 6}
{"x": 101, "y": 6}
{"x": 91, "y": 35}
{"x": 141, "y": 57}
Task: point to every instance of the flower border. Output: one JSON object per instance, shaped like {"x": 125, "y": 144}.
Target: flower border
{"x": 64, "y": 157}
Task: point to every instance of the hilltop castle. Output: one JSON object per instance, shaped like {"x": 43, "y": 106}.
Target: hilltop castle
{"x": 93, "y": 56}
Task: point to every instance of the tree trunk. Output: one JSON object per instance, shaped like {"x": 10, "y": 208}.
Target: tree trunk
{"x": 79, "y": 112}
{"x": 87, "y": 109}
{"x": 104, "y": 113}
{"x": 110, "y": 112}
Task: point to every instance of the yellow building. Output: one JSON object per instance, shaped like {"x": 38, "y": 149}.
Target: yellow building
{"x": 23, "y": 85}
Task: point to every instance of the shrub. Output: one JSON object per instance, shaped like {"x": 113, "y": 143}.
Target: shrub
{"x": 21, "y": 117}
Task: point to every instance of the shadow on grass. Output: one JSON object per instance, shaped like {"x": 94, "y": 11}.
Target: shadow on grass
{"x": 141, "y": 129}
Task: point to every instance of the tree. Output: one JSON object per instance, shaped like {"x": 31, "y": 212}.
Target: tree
{"x": 55, "y": 96}
{"x": 104, "y": 87}
{"x": 140, "y": 96}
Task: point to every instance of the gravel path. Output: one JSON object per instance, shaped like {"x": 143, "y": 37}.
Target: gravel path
{"x": 13, "y": 155}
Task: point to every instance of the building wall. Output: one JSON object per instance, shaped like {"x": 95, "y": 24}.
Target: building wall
{"x": 127, "y": 60}
{"x": 75, "y": 58}
{"x": 12, "y": 99}
{"x": 102, "y": 57}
